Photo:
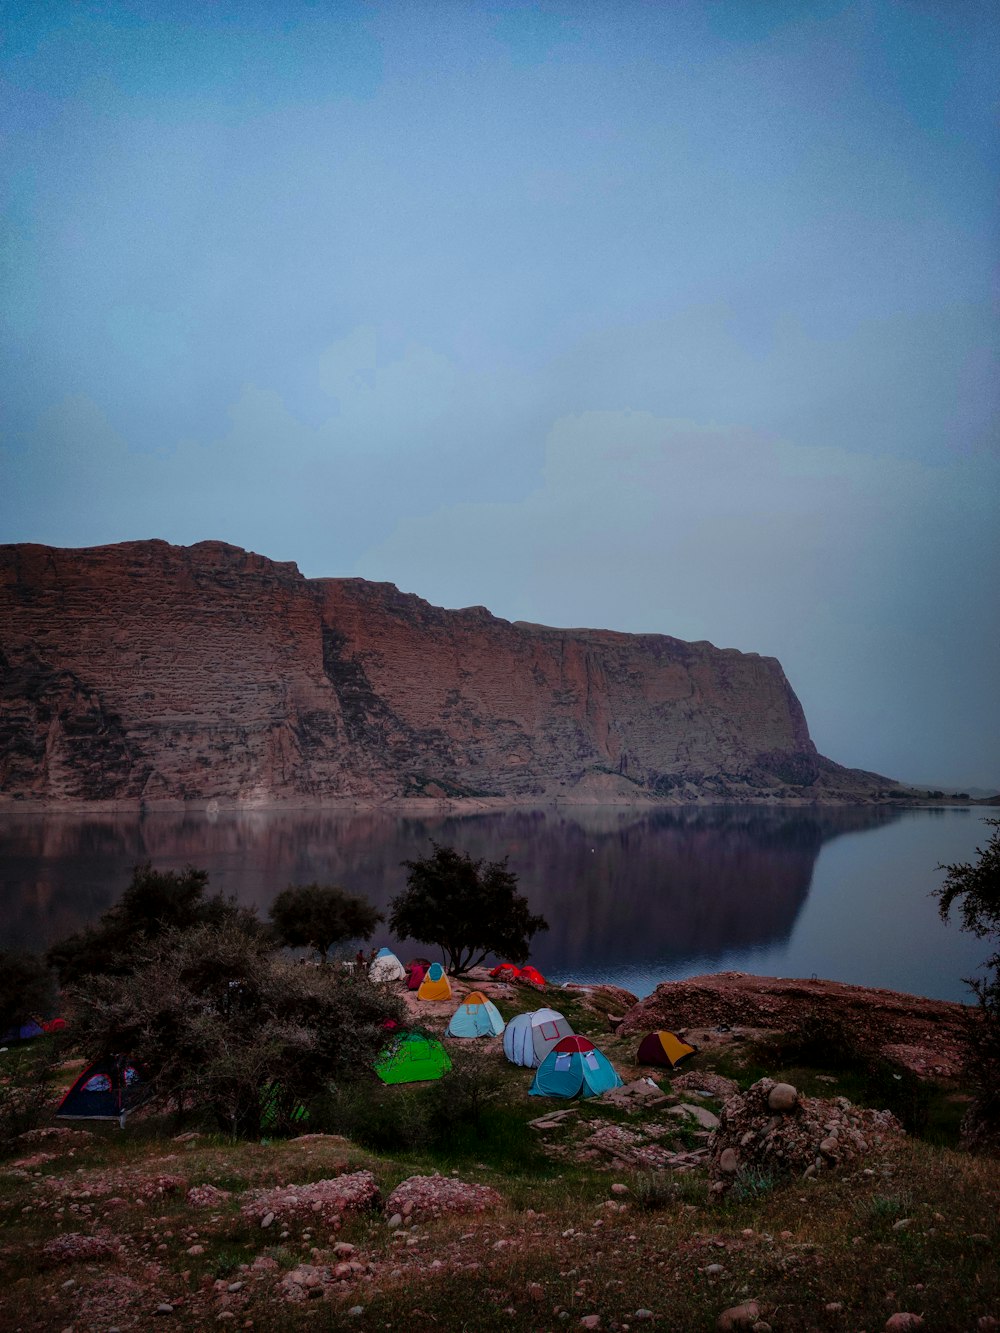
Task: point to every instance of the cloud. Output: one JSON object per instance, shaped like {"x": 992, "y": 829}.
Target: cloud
{"x": 871, "y": 578}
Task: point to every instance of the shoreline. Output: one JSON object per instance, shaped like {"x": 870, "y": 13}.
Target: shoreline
{"x": 462, "y": 805}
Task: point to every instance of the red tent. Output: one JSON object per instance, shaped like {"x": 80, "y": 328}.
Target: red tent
{"x": 415, "y": 973}
{"x": 505, "y": 972}
{"x": 532, "y": 976}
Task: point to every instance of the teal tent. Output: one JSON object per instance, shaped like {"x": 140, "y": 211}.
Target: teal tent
{"x": 574, "y": 1068}
{"x": 476, "y": 1016}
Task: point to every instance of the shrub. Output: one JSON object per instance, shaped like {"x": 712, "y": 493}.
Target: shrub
{"x": 216, "y": 1019}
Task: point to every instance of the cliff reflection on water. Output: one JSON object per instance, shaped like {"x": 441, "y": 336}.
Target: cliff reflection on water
{"x": 626, "y": 893}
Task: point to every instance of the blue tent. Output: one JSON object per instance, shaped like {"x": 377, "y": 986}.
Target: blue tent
{"x": 23, "y": 1033}
{"x": 574, "y": 1068}
{"x": 476, "y": 1016}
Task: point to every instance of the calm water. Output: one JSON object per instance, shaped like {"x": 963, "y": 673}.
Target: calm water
{"x": 631, "y": 897}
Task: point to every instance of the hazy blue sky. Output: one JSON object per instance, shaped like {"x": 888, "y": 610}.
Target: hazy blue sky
{"x": 662, "y": 316}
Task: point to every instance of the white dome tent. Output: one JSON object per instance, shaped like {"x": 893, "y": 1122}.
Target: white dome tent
{"x": 529, "y": 1037}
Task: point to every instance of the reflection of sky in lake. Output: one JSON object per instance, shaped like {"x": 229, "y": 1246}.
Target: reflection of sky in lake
{"x": 633, "y": 897}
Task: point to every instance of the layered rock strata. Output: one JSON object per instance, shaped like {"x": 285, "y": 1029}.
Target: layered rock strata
{"x": 145, "y": 674}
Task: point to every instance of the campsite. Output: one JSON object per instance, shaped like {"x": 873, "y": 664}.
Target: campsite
{"x": 450, "y": 1196}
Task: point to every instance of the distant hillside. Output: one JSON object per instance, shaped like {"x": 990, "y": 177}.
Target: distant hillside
{"x": 151, "y": 674}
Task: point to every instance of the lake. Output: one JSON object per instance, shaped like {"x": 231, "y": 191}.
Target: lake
{"x": 632, "y": 896}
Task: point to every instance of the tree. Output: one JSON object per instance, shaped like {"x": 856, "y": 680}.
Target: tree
{"x": 977, "y": 885}
{"x": 467, "y": 910}
{"x": 26, "y": 989}
{"x": 155, "y": 902}
{"x": 320, "y": 916}
{"x": 215, "y": 1018}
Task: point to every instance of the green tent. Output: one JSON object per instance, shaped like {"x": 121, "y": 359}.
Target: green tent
{"x": 412, "y": 1058}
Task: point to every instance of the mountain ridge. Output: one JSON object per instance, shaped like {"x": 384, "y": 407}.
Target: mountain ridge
{"x": 144, "y": 674}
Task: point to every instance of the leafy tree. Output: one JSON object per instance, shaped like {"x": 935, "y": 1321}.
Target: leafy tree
{"x": 217, "y": 1019}
{"x": 320, "y": 916}
{"x": 469, "y": 911}
{"x": 977, "y": 887}
{"x": 26, "y": 989}
{"x": 155, "y": 902}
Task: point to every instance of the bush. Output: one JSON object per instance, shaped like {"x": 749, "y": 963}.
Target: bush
{"x": 216, "y": 1019}
{"x": 156, "y": 903}
{"x": 26, "y": 989}
{"x": 26, "y": 1092}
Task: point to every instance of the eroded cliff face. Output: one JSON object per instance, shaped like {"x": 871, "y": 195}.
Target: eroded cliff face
{"x": 145, "y": 673}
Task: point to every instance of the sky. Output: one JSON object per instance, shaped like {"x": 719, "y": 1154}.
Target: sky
{"x": 663, "y": 317}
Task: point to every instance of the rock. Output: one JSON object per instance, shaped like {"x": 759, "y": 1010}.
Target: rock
{"x": 619, "y": 1188}
{"x": 195, "y": 1250}
{"x": 164, "y": 1307}
{"x": 903, "y": 1322}
{"x": 590, "y": 1321}
{"x": 710, "y": 1085}
{"x": 738, "y": 1317}
{"x": 782, "y": 1097}
{"x": 536, "y": 1291}
{"x": 435, "y": 1195}
{"x": 322, "y": 1201}
{"x": 72, "y": 1247}
{"x": 643, "y": 1315}
{"x": 753, "y": 1133}
{"x": 206, "y": 1196}
{"x": 356, "y": 1310}
{"x": 903, "y": 1224}
{"x": 396, "y": 1220}
{"x": 142, "y": 670}
{"x": 714, "y": 1270}
{"x": 704, "y": 1118}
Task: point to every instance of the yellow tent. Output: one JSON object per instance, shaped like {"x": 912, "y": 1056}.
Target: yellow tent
{"x": 663, "y": 1048}
{"x": 435, "y": 985}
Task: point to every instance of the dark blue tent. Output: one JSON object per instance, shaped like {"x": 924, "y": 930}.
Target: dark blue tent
{"x": 23, "y": 1033}
{"x": 107, "y": 1090}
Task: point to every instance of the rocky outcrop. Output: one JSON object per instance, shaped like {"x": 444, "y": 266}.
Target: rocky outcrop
{"x": 149, "y": 674}
{"x": 771, "y": 1128}
{"x": 925, "y": 1036}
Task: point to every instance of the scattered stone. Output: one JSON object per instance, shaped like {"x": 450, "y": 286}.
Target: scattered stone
{"x": 164, "y": 1307}
{"x": 903, "y": 1224}
{"x": 206, "y": 1196}
{"x": 73, "y": 1248}
{"x": 728, "y": 1161}
{"x": 396, "y": 1220}
{"x": 714, "y": 1270}
{"x": 324, "y": 1201}
{"x": 356, "y": 1310}
{"x": 639, "y": 1093}
{"x": 432, "y": 1196}
{"x": 643, "y": 1315}
{"x": 590, "y": 1321}
{"x": 536, "y": 1291}
{"x": 903, "y": 1322}
{"x": 195, "y": 1250}
{"x": 709, "y": 1085}
{"x": 739, "y": 1317}
{"x": 619, "y": 1188}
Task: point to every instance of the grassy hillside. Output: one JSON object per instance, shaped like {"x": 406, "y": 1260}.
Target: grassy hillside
{"x": 916, "y": 1229}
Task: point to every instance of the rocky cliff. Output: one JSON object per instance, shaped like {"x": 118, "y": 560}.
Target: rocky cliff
{"x": 149, "y": 674}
